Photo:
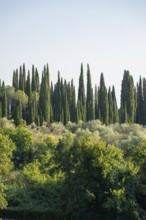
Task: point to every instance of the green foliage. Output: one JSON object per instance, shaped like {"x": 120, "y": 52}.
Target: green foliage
{"x": 20, "y": 95}
{"x": 76, "y": 174}
{"x": 4, "y": 106}
{"x": 23, "y": 141}
{"x": 6, "y": 149}
{"x": 72, "y": 166}
{"x": 97, "y": 177}
{"x": 32, "y": 175}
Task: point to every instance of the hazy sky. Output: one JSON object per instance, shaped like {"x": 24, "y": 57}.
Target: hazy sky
{"x": 110, "y": 35}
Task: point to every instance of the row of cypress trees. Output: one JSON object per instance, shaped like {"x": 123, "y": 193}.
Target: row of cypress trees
{"x": 35, "y": 101}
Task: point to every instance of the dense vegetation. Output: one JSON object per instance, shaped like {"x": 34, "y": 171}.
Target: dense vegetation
{"x": 81, "y": 171}
{"x": 30, "y": 100}
{"x": 67, "y": 159}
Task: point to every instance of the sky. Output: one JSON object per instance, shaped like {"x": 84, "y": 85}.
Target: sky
{"x": 109, "y": 35}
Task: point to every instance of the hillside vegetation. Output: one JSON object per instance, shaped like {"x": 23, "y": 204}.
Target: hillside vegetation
{"x": 70, "y": 157}
{"x": 78, "y": 171}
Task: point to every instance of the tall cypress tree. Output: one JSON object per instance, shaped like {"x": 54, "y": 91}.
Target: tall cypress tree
{"x": 57, "y": 103}
{"x": 96, "y": 103}
{"x": 47, "y": 95}
{"x": 52, "y": 103}
{"x": 144, "y": 102}
{"x": 28, "y": 85}
{"x": 89, "y": 101}
{"x": 34, "y": 109}
{"x": 81, "y": 103}
{"x": 73, "y": 103}
{"x": 0, "y": 109}
{"x": 140, "y": 107}
{"x": 110, "y": 101}
{"x": 17, "y": 112}
{"x": 66, "y": 110}
{"x": 33, "y": 79}
{"x": 68, "y": 92}
{"x": 127, "y": 99}
{"x": 4, "y": 106}
{"x": 44, "y": 101}
{"x": 37, "y": 82}
{"x": 28, "y": 114}
{"x": 15, "y": 79}
{"x": 115, "y": 107}
{"x": 22, "y": 78}
{"x": 103, "y": 101}
{"x": 63, "y": 94}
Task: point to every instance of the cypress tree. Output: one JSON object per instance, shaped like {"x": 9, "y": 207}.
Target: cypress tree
{"x": 29, "y": 116}
{"x": 0, "y": 109}
{"x": 81, "y": 103}
{"x": 79, "y": 113}
{"x": 96, "y": 103}
{"x": 89, "y": 102}
{"x": 66, "y": 110}
{"x": 110, "y": 101}
{"x": 103, "y": 102}
{"x": 73, "y": 103}
{"x": 65, "y": 113}
{"x": 44, "y": 101}
{"x": 35, "y": 85}
{"x": 51, "y": 114}
{"x": 68, "y": 92}
{"x": 20, "y": 79}
{"x": 144, "y": 102}
{"x": 41, "y": 97}
{"x": 34, "y": 109}
{"x": 140, "y": 101}
{"x": 52, "y": 103}
{"x": 47, "y": 95}
{"x": 115, "y": 107}
{"x": 63, "y": 94}
{"x": 28, "y": 85}
{"x": 22, "y": 76}
{"x": 33, "y": 79}
{"x": 127, "y": 99}
{"x": 37, "y": 82}
{"x": 17, "y": 112}
{"x": 28, "y": 113}
{"x": 15, "y": 79}
{"x": 3, "y": 84}
{"x": 4, "y": 106}
{"x": 57, "y": 100}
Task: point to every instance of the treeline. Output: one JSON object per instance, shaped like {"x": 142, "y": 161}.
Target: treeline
{"x": 32, "y": 100}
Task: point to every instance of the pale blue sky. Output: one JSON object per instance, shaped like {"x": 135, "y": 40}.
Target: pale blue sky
{"x": 110, "y": 35}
